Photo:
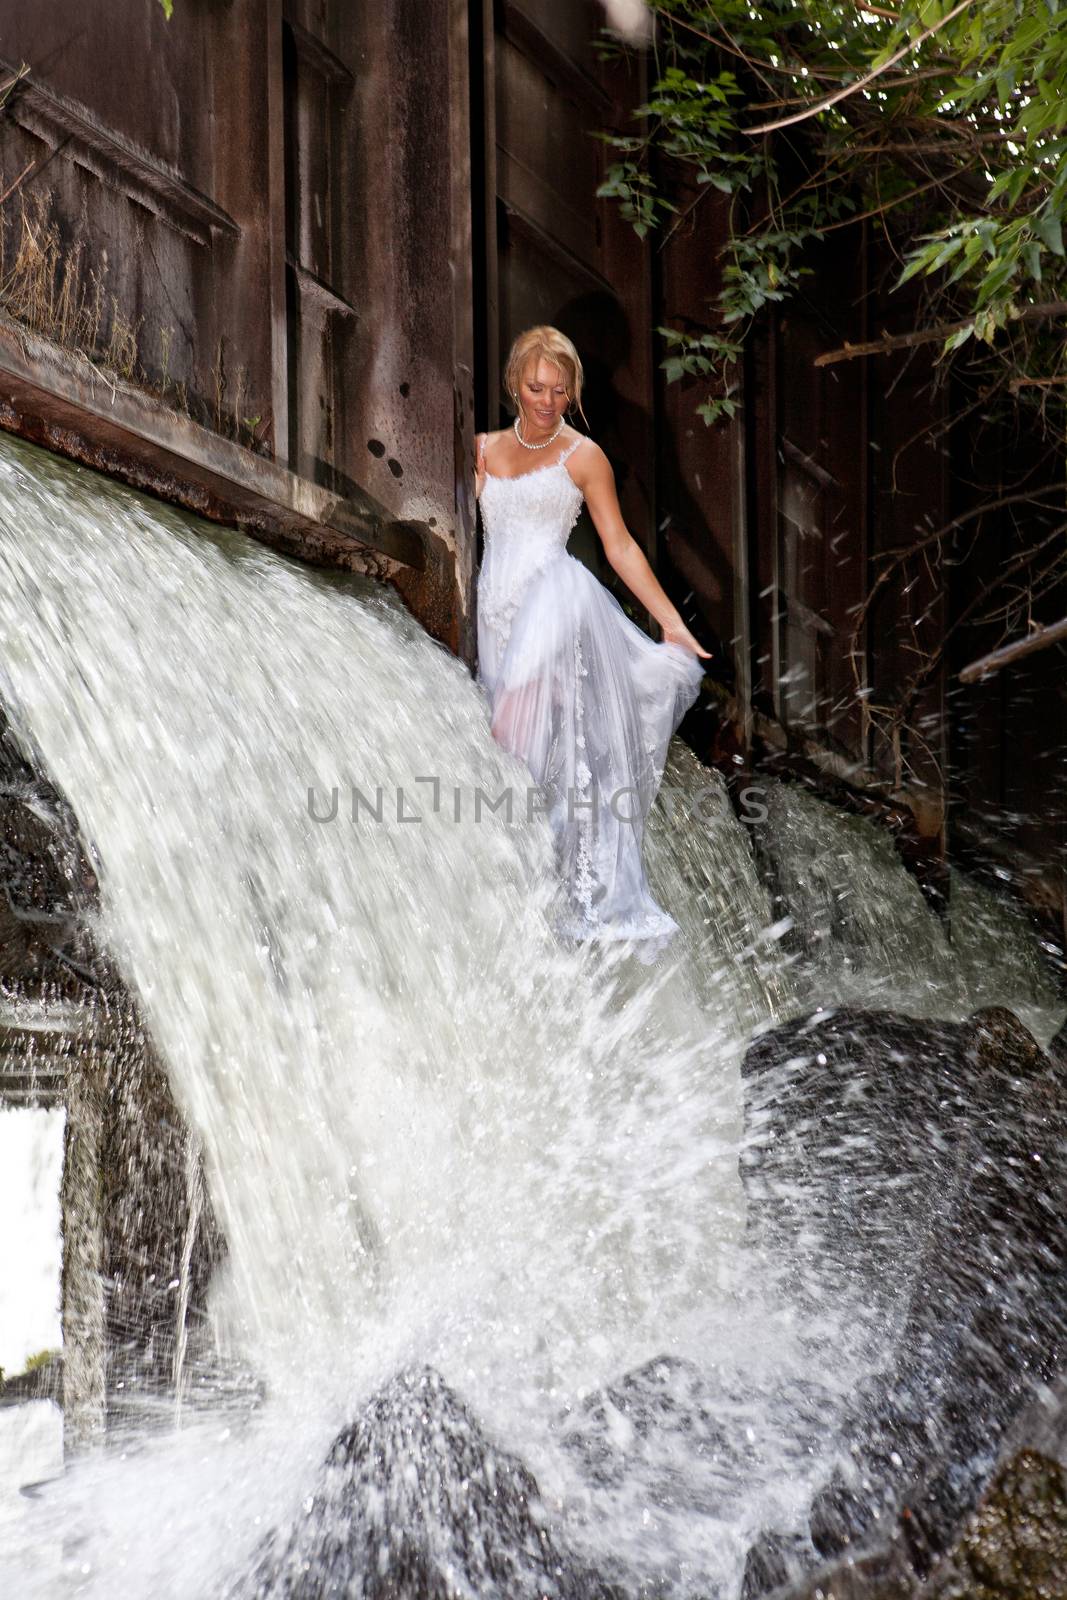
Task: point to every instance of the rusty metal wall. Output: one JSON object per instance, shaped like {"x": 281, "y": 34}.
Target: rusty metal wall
{"x": 701, "y": 502}
{"x": 552, "y": 252}
{"x": 848, "y": 465}
{"x": 261, "y": 212}
{"x": 781, "y": 525}
{"x": 379, "y": 272}
{"x": 149, "y": 150}
{"x": 1008, "y": 732}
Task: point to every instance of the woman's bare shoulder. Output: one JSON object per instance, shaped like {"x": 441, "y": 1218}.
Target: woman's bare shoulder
{"x": 590, "y": 457}
{"x": 482, "y": 441}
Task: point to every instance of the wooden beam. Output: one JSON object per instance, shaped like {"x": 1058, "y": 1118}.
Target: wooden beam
{"x": 60, "y": 399}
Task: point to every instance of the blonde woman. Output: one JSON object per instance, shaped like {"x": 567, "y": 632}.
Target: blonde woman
{"x": 586, "y": 699}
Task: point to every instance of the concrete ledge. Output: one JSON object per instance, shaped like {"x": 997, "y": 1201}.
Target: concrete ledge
{"x": 60, "y": 399}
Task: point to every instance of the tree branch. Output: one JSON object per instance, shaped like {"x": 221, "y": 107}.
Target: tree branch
{"x": 904, "y": 341}
{"x": 860, "y": 83}
{"x": 1037, "y": 639}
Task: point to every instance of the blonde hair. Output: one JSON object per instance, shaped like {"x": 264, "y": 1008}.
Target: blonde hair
{"x": 555, "y": 347}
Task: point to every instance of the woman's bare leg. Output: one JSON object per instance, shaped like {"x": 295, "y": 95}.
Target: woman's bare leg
{"x": 511, "y": 716}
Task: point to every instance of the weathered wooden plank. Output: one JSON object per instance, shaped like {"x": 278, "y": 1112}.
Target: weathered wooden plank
{"x": 63, "y": 401}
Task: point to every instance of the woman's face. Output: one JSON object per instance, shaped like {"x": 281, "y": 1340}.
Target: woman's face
{"x": 542, "y": 396}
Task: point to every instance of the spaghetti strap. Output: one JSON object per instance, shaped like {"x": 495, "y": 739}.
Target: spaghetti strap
{"x": 481, "y": 452}
{"x": 571, "y": 448}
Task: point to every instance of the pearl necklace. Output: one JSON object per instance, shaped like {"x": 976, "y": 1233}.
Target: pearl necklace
{"x": 545, "y": 444}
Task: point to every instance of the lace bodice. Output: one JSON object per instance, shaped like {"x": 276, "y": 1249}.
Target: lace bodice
{"x": 527, "y": 521}
{"x": 544, "y": 502}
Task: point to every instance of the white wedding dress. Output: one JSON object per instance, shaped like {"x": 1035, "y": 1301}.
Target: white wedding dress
{"x": 582, "y": 696}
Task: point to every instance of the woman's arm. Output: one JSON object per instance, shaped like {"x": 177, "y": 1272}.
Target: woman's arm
{"x": 597, "y": 482}
{"x": 480, "y": 442}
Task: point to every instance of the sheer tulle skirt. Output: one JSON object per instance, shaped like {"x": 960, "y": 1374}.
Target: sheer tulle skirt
{"x": 589, "y": 703}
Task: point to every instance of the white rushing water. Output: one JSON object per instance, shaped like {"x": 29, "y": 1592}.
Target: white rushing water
{"x": 869, "y": 938}
{"x": 430, "y": 1134}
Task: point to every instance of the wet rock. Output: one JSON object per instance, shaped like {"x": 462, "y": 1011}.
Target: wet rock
{"x": 1043, "y": 1425}
{"x": 1057, "y": 1046}
{"x": 919, "y": 1168}
{"x": 1012, "y": 1547}
{"x": 773, "y": 1561}
{"x": 881, "y": 1575}
{"x": 1015, "y": 1546}
{"x": 641, "y": 1418}
{"x": 416, "y": 1503}
{"x": 693, "y": 1440}
{"x": 849, "y": 1147}
{"x": 836, "y": 1512}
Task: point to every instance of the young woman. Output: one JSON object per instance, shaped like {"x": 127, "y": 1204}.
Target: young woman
{"x": 586, "y": 699}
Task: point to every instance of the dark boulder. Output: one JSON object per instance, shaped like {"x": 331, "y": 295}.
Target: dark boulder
{"x": 773, "y": 1561}
{"x": 1013, "y": 1546}
{"x": 916, "y": 1169}
{"x": 696, "y": 1440}
{"x": 416, "y": 1503}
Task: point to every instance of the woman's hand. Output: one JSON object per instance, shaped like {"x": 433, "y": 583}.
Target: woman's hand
{"x": 678, "y": 633}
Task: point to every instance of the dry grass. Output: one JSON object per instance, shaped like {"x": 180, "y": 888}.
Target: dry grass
{"x": 50, "y": 288}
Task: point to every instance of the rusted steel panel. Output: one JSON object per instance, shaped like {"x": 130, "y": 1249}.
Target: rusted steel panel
{"x": 563, "y": 256}
{"x": 384, "y": 400}
{"x": 696, "y": 467}
{"x": 819, "y": 458}
{"x": 909, "y": 499}
{"x": 819, "y": 442}
{"x": 547, "y": 165}
{"x": 1008, "y": 731}
{"x": 760, "y": 414}
{"x": 840, "y": 293}
{"x": 563, "y": 38}
{"x": 153, "y": 181}
{"x": 256, "y": 226}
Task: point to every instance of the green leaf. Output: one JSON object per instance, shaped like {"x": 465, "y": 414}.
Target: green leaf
{"x": 1049, "y": 230}
{"x": 946, "y": 252}
{"x": 917, "y": 263}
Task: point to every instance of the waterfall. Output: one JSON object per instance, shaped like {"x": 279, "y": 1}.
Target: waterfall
{"x": 194, "y": 1187}
{"x": 426, "y": 1128}
{"x": 863, "y": 933}
{"x": 428, "y": 1132}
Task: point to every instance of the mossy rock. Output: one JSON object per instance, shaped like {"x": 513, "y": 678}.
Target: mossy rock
{"x": 1015, "y": 1545}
